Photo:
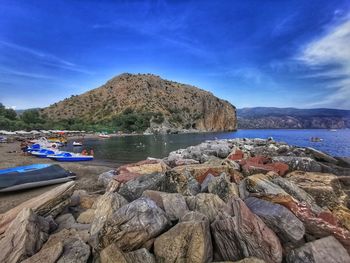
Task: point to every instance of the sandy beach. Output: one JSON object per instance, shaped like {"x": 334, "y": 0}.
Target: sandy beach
{"x": 10, "y": 156}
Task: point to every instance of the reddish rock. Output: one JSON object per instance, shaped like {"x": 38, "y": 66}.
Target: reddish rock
{"x": 261, "y": 164}
{"x": 236, "y": 155}
{"x": 317, "y": 225}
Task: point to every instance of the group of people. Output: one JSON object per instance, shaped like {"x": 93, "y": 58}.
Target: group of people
{"x": 85, "y": 152}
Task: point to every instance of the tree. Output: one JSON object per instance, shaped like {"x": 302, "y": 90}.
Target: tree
{"x": 31, "y": 116}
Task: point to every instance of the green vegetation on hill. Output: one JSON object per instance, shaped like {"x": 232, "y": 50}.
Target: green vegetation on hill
{"x": 128, "y": 121}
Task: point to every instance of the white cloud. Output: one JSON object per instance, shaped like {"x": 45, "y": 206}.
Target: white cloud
{"x": 332, "y": 53}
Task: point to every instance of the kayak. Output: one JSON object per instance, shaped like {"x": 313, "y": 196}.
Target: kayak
{"x": 70, "y": 157}
{"x": 34, "y": 148}
{"x": 31, "y": 176}
{"x": 43, "y": 153}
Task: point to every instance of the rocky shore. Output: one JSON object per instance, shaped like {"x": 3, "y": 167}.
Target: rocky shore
{"x": 240, "y": 200}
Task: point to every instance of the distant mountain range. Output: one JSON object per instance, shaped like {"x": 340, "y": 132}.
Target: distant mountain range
{"x": 292, "y": 118}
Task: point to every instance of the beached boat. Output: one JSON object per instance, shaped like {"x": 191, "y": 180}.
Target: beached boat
{"x": 31, "y": 176}
{"x": 104, "y": 135}
{"x": 43, "y": 153}
{"x": 77, "y": 144}
{"x": 70, "y": 157}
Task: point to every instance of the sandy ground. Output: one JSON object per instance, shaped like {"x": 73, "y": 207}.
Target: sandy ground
{"x": 10, "y": 156}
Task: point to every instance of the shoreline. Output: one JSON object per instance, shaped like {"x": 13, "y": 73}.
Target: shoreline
{"x": 87, "y": 174}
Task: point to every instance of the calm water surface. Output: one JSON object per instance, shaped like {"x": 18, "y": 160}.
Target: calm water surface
{"x": 120, "y": 150}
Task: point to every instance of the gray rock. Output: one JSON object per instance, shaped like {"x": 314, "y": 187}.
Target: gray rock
{"x": 207, "y": 204}
{"x": 105, "y": 178}
{"x": 67, "y": 221}
{"x": 173, "y": 204}
{"x": 140, "y": 256}
{"x": 182, "y": 183}
{"x": 24, "y": 237}
{"x": 77, "y": 252}
{"x": 244, "y": 234}
{"x": 321, "y": 156}
{"x": 105, "y": 206}
{"x": 298, "y": 193}
{"x": 207, "y": 180}
{"x": 113, "y": 254}
{"x": 47, "y": 255}
{"x": 133, "y": 189}
{"x": 299, "y": 163}
{"x": 324, "y": 250}
{"x": 282, "y": 221}
{"x": 194, "y": 216}
{"x": 222, "y": 187}
{"x": 186, "y": 242}
{"x": 133, "y": 224}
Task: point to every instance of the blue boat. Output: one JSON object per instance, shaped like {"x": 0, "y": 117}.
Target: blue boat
{"x": 43, "y": 153}
{"x": 34, "y": 148}
{"x": 30, "y": 176}
{"x": 70, "y": 157}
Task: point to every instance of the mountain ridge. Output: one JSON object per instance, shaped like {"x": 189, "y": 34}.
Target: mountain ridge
{"x": 175, "y": 106}
{"x": 292, "y": 118}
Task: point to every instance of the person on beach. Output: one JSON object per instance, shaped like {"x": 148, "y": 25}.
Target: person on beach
{"x": 24, "y": 147}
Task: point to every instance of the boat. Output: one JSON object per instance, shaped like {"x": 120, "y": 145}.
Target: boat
{"x": 104, "y": 135}
{"x": 77, "y": 143}
{"x": 333, "y": 130}
{"x": 316, "y": 139}
{"x": 70, "y": 157}
{"x": 31, "y": 176}
{"x": 43, "y": 153}
{"x": 34, "y": 148}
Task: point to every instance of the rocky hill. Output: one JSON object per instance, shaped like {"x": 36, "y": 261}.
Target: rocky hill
{"x": 291, "y": 118}
{"x": 169, "y": 105}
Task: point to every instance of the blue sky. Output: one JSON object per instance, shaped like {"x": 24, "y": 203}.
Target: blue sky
{"x": 251, "y": 53}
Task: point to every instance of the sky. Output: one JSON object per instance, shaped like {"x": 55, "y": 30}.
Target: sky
{"x": 252, "y": 53}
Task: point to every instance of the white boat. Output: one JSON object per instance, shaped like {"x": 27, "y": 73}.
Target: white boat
{"x": 77, "y": 143}
{"x": 333, "y": 130}
{"x": 103, "y": 135}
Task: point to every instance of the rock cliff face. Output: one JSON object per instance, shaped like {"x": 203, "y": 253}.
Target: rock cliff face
{"x": 180, "y": 106}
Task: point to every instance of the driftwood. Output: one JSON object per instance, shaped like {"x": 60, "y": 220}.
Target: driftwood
{"x": 49, "y": 203}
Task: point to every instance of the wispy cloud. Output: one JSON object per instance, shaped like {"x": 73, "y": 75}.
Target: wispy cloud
{"x": 8, "y": 71}
{"x": 331, "y": 53}
{"x": 44, "y": 57}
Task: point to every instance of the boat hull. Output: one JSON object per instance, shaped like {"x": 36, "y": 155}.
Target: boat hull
{"x": 71, "y": 159}
{"x": 31, "y": 176}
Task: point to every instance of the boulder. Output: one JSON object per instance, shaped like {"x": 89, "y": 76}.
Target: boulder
{"x": 113, "y": 186}
{"x": 24, "y": 237}
{"x": 133, "y": 189}
{"x": 133, "y": 224}
{"x": 77, "y": 252}
{"x": 323, "y": 187}
{"x": 327, "y": 249}
{"x": 316, "y": 225}
{"x": 321, "y": 156}
{"x": 87, "y": 201}
{"x": 282, "y": 221}
{"x": 112, "y": 254}
{"x": 201, "y": 171}
{"x": 186, "y": 242}
{"x": 180, "y": 162}
{"x": 299, "y": 163}
{"x": 105, "y": 178}
{"x": 207, "y": 180}
{"x": 297, "y": 193}
{"x": 222, "y": 187}
{"x": 51, "y": 202}
{"x": 74, "y": 247}
{"x": 67, "y": 221}
{"x": 173, "y": 204}
{"x": 260, "y": 164}
{"x": 47, "y": 255}
{"x": 183, "y": 183}
{"x": 140, "y": 256}
{"x": 236, "y": 155}
{"x": 250, "y": 260}
{"x": 343, "y": 215}
{"x": 194, "y": 216}
{"x": 86, "y": 217}
{"x": 261, "y": 183}
{"x": 207, "y": 204}
{"x": 105, "y": 206}
{"x": 140, "y": 168}
{"x": 244, "y": 234}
